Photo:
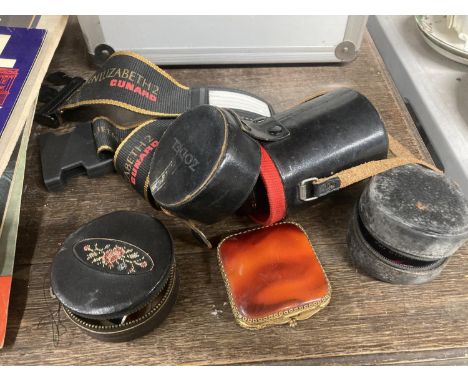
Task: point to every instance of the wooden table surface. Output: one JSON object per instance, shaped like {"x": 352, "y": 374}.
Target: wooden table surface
{"x": 366, "y": 322}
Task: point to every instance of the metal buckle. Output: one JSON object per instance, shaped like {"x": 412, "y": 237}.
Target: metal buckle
{"x": 303, "y": 189}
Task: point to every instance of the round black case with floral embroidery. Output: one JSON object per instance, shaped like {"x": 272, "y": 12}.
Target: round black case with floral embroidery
{"x": 116, "y": 276}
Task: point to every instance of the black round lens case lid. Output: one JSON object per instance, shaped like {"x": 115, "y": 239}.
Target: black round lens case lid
{"x": 113, "y": 265}
{"x": 205, "y": 165}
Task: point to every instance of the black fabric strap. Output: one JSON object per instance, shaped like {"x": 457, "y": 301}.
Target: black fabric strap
{"x": 131, "y": 102}
{"x": 108, "y": 136}
{"x": 133, "y": 156}
{"x": 127, "y": 90}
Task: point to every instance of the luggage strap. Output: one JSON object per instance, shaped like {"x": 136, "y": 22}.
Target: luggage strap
{"x": 131, "y": 102}
{"x": 129, "y": 90}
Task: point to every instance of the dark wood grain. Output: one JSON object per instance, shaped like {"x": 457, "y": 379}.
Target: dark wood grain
{"x": 367, "y": 322}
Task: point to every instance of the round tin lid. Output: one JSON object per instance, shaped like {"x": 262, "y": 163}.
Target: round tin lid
{"x": 113, "y": 265}
{"x": 205, "y": 165}
{"x": 415, "y": 211}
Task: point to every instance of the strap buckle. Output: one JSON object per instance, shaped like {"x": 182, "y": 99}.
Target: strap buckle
{"x": 70, "y": 154}
{"x": 48, "y": 114}
{"x": 303, "y": 190}
{"x": 308, "y": 187}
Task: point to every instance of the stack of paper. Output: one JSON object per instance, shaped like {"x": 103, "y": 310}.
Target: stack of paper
{"x": 25, "y": 55}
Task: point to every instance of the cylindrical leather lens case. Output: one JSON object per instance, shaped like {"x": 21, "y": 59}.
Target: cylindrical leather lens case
{"x": 213, "y": 161}
{"x": 327, "y": 134}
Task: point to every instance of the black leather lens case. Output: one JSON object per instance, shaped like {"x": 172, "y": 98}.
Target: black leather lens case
{"x": 116, "y": 276}
{"x": 212, "y": 162}
{"x": 408, "y": 221}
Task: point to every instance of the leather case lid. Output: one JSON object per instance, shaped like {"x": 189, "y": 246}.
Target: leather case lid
{"x": 272, "y": 275}
{"x": 205, "y": 166}
{"x": 189, "y": 155}
{"x": 113, "y": 265}
{"x": 415, "y": 211}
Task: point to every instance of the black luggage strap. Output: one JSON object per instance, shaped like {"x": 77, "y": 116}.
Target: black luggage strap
{"x": 132, "y": 158}
{"x": 128, "y": 90}
{"x": 131, "y": 102}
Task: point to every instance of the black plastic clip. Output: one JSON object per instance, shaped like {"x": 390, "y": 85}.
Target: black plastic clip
{"x": 70, "y": 154}
{"x": 47, "y": 114}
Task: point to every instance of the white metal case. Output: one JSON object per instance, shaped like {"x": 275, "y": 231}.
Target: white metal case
{"x": 195, "y": 40}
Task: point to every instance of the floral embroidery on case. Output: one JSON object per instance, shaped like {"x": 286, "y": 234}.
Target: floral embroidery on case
{"x": 113, "y": 256}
